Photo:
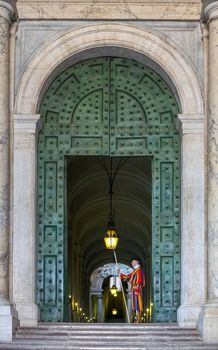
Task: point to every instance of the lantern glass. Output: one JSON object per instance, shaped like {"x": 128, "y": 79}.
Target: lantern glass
{"x": 111, "y": 239}
{"x": 114, "y": 312}
{"x": 113, "y": 289}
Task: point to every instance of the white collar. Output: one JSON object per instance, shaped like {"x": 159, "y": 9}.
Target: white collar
{"x": 136, "y": 266}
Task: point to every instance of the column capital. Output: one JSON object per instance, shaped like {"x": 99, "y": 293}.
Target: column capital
{"x": 210, "y": 9}
{"x": 97, "y": 293}
{"x": 190, "y": 124}
{"x": 27, "y": 123}
{"x": 7, "y": 9}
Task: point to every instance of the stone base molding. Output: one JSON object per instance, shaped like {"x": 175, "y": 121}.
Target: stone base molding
{"x": 188, "y": 315}
{"x": 208, "y": 323}
{"x": 28, "y": 314}
{"x": 8, "y": 322}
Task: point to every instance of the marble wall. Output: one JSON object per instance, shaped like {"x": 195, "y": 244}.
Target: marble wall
{"x": 170, "y": 33}
{"x": 31, "y": 35}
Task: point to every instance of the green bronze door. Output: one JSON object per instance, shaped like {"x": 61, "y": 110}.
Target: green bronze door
{"x": 116, "y": 107}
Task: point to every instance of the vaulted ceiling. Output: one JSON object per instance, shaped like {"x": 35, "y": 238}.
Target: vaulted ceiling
{"x": 88, "y": 208}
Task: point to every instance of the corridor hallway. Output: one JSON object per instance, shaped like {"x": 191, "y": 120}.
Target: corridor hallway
{"x": 89, "y": 264}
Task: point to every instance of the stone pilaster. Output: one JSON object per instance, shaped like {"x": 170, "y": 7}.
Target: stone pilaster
{"x": 192, "y": 217}
{"x": 8, "y": 315}
{"x": 5, "y": 14}
{"x": 129, "y": 305}
{"x": 24, "y": 207}
{"x": 100, "y": 307}
{"x": 209, "y": 322}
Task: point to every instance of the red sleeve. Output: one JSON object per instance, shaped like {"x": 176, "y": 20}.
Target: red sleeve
{"x": 139, "y": 280}
{"x": 122, "y": 276}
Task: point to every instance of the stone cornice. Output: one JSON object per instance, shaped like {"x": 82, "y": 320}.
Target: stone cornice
{"x": 190, "y": 124}
{"x": 27, "y": 123}
{"x": 7, "y": 10}
{"x": 113, "y": 9}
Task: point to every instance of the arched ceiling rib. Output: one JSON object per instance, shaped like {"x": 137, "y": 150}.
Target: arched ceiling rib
{"x": 103, "y": 257}
{"x": 124, "y": 208}
{"x": 89, "y": 180}
{"x": 88, "y": 206}
{"x": 97, "y": 226}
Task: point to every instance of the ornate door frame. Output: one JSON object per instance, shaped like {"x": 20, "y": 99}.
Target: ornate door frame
{"x": 116, "y": 107}
{"x": 191, "y": 124}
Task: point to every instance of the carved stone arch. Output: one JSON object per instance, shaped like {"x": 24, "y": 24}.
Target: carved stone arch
{"x": 98, "y": 276}
{"x": 63, "y": 46}
{"x": 102, "y": 272}
{"x": 41, "y": 71}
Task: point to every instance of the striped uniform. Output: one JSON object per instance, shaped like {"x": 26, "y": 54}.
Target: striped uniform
{"x": 137, "y": 282}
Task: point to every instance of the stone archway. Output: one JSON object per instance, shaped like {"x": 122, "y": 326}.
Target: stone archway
{"x": 114, "y": 107}
{"x": 97, "y": 278}
{"x": 191, "y": 124}
{"x": 150, "y": 44}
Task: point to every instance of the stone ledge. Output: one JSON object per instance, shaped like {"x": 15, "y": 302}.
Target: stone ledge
{"x": 190, "y": 124}
{"x": 115, "y": 9}
{"x": 27, "y": 123}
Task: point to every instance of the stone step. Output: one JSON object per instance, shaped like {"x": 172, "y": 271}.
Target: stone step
{"x": 107, "y": 337}
{"x": 104, "y": 334}
{"x": 110, "y": 341}
{"x": 110, "y": 325}
{"x": 153, "y": 346}
{"x": 107, "y": 332}
{"x": 118, "y": 329}
{"x": 133, "y": 329}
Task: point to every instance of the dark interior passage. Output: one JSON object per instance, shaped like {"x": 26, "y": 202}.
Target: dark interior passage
{"x": 87, "y": 218}
{"x": 123, "y": 108}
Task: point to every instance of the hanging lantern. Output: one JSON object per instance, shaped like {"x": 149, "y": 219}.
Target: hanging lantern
{"x": 114, "y": 312}
{"x": 111, "y": 239}
{"x": 115, "y": 282}
{"x": 113, "y": 289}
